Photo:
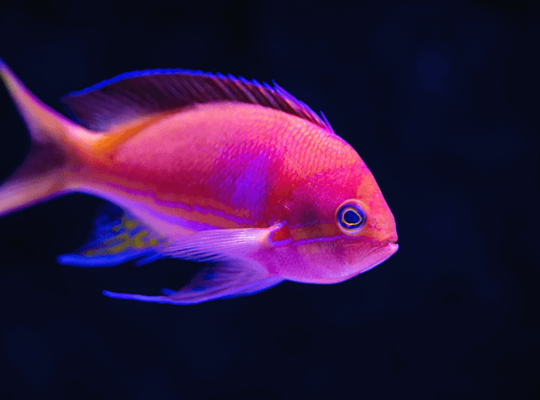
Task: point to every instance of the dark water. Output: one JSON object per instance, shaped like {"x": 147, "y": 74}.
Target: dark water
{"x": 441, "y": 101}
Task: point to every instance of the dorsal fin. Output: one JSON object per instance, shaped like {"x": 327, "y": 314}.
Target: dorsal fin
{"x": 131, "y": 95}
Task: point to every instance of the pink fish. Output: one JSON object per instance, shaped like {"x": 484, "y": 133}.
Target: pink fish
{"x": 207, "y": 168}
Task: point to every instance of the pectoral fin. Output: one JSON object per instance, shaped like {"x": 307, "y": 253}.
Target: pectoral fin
{"x": 220, "y": 244}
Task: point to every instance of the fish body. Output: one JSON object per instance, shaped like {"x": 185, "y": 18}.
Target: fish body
{"x": 208, "y": 168}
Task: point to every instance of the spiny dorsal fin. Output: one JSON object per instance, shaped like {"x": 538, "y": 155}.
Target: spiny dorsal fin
{"x": 131, "y": 95}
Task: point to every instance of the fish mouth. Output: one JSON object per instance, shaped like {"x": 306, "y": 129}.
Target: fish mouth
{"x": 391, "y": 244}
{"x": 380, "y": 254}
{"x": 386, "y": 249}
{"x": 389, "y": 241}
{"x": 377, "y": 255}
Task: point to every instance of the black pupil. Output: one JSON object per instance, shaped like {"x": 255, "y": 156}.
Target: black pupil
{"x": 351, "y": 217}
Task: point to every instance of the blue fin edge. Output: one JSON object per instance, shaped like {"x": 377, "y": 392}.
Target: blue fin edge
{"x": 138, "y": 74}
{"x": 112, "y": 260}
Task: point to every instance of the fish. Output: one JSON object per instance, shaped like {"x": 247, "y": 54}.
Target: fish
{"x": 236, "y": 174}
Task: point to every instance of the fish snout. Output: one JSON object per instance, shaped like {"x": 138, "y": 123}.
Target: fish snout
{"x": 392, "y": 240}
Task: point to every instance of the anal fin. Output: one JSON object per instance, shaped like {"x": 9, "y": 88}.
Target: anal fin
{"x": 117, "y": 237}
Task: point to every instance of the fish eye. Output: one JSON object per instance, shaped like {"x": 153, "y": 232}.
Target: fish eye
{"x": 351, "y": 217}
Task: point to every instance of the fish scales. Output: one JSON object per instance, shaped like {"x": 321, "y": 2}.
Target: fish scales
{"x": 205, "y": 159}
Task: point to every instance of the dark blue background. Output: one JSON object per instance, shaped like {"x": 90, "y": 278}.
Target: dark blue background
{"x": 441, "y": 101}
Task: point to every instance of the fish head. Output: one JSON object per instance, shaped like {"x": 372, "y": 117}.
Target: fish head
{"x": 339, "y": 225}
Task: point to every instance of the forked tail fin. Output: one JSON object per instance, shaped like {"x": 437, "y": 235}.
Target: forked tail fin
{"x": 53, "y": 137}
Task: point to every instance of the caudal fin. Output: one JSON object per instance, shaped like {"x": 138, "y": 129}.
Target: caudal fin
{"x": 42, "y": 175}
